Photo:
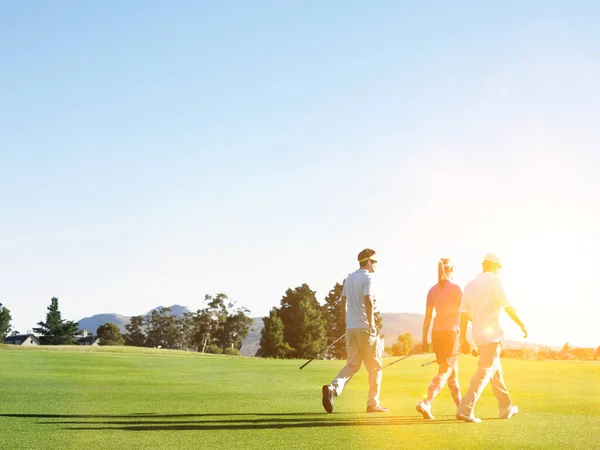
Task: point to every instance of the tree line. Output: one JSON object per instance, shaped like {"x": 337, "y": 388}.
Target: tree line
{"x": 301, "y": 327}
{"x": 220, "y": 327}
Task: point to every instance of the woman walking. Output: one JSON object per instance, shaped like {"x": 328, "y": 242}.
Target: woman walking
{"x": 445, "y": 298}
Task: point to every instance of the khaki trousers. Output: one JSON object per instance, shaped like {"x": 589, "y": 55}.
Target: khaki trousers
{"x": 361, "y": 347}
{"x": 489, "y": 369}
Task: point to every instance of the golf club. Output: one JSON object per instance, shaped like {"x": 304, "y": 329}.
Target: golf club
{"x": 473, "y": 352}
{"x": 322, "y": 351}
{"x": 394, "y": 362}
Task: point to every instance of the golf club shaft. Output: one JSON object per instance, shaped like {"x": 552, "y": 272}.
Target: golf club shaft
{"x": 394, "y": 362}
{"x": 322, "y": 351}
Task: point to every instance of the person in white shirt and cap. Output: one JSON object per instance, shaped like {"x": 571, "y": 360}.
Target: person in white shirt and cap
{"x": 482, "y": 302}
{"x": 363, "y": 343}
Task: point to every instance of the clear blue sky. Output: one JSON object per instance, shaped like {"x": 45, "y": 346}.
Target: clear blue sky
{"x": 153, "y": 152}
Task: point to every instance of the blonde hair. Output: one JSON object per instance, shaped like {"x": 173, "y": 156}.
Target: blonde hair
{"x": 445, "y": 268}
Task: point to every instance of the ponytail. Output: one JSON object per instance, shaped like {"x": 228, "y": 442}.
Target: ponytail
{"x": 444, "y": 270}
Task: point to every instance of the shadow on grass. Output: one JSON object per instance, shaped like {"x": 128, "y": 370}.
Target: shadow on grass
{"x": 229, "y": 421}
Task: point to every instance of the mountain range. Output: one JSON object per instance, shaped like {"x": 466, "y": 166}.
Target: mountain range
{"x": 393, "y": 325}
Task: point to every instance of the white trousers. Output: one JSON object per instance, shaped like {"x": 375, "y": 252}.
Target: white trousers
{"x": 489, "y": 370}
{"x": 361, "y": 347}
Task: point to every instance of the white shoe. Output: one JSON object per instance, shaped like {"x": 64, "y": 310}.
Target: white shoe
{"x": 509, "y": 412}
{"x": 470, "y": 418}
{"x": 425, "y": 410}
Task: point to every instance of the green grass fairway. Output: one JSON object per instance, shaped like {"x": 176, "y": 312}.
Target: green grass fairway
{"x": 124, "y": 398}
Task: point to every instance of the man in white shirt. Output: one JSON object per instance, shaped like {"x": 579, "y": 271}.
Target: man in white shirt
{"x": 482, "y": 302}
{"x": 363, "y": 343}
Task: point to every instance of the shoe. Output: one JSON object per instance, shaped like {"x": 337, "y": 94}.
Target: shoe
{"x": 374, "y": 409}
{"x": 328, "y": 396}
{"x": 509, "y": 412}
{"x": 425, "y": 410}
{"x": 470, "y": 418}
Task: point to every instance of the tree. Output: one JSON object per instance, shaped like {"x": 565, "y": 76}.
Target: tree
{"x": 597, "y": 355}
{"x": 185, "y": 326}
{"x": 272, "y": 344}
{"x": 566, "y": 348}
{"x": 403, "y": 344}
{"x": 208, "y": 321}
{"x": 334, "y": 312}
{"x": 110, "y": 334}
{"x": 162, "y": 329}
{"x": 5, "y": 319}
{"x": 55, "y": 330}
{"x": 222, "y": 323}
{"x": 234, "y": 330}
{"x": 304, "y": 325}
{"x": 135, "y": 336}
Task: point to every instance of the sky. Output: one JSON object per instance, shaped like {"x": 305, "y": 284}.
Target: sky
{"x": 155, "y": 152}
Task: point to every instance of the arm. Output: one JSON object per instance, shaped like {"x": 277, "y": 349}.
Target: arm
{"x": 464, "y": 322}
{"x": 370, "y": 313}
{"x": 515, "y": 318}
{"x": 426, "y": 323}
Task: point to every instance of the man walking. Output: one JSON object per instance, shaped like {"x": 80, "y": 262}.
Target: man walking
{"x": 363, "y": 343}
{"x": 482, "y": 302}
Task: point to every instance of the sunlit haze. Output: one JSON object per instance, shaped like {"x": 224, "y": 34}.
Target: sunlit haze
{"x": 154, "y": 152}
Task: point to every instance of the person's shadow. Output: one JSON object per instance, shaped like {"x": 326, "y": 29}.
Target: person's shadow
{"x": 207, "y": 422}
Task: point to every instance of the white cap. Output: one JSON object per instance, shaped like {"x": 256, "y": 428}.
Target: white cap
{"x": 490, "y": 257}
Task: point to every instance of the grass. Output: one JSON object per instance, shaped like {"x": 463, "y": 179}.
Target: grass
{"x": 125, "y": 398}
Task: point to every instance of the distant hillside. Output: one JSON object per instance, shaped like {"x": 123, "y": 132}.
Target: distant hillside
{"x": 92, "y": 323}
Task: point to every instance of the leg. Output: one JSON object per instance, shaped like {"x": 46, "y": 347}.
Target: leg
{"x": 372, "y": 349}
{"x": 353, "y": 363}
{"x": 444, "y": 344}
{"x": 485, "y": 371}
{"x": 437, "y": 383}
{"x": 454, "y": 385}
{"x": 499, "y": 388}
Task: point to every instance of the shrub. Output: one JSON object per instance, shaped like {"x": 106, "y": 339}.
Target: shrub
{"x": 214, "y": 349}
{"x": 232, "y": 351}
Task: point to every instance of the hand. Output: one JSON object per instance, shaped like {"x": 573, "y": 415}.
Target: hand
{"x": 524, "y": 331}
{"x": 424, "y": 346}
{"x": 373, "y": 330}
{"x": 465, "y": 347}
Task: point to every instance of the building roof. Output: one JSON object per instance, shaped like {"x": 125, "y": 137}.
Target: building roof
{"x": 20, "y": 337}
{"x": 91, "y": 338}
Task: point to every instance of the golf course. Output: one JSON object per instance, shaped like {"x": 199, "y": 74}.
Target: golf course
{"x": 134, "y": 398}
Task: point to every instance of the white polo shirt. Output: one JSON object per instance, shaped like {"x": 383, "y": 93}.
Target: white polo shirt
{"x": 483, "y": 299}
{"x": 356, "y": 286}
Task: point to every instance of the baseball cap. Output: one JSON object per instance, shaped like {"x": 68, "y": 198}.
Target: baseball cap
{"x": 490, "y": 257}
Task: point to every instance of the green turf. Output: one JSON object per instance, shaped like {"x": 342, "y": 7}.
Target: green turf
{"x": 93, "y": 398}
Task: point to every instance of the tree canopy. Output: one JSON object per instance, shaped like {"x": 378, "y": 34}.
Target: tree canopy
{"x": 110, "y": 334}
{"x": 55, "y": 330}
{"x": 5, "y": 319}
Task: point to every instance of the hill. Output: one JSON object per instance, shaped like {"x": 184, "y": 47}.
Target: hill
{"x": 92, "y": 323}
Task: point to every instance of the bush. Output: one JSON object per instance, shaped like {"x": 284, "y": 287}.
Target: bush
{"x": 214, "y": 349}
{"x": 232, "y": 351}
